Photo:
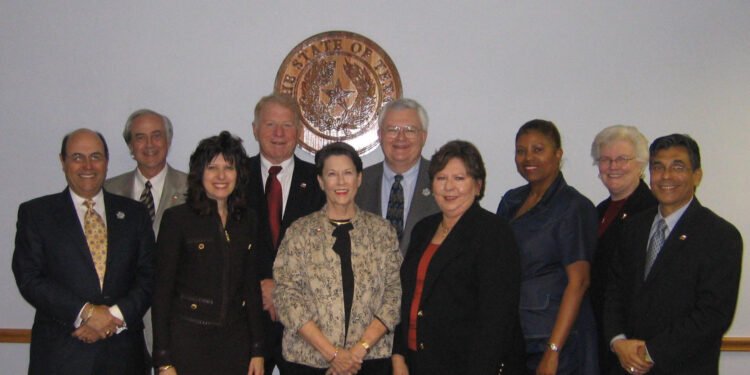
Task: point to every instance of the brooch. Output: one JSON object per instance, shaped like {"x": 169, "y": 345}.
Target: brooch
{"x": 120, "y": 215}
{"x": 303, "y": 185}
{"x": 426, "y": 192}
{"x": 683, "y": 237}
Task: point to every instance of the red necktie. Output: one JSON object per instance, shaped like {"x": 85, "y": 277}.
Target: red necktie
{"x": 273, "y": 199}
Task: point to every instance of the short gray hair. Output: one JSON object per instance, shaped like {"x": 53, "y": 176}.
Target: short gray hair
{"x": 621, "y": 133}
{"x": 128, "y": 136}
{"x": 404, "y": 103}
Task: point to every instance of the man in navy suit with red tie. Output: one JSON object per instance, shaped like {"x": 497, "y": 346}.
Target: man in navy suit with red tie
{"x": 282, "y": 188}
{"x": 83, "y": 259}
{"x": 675, "y": 278}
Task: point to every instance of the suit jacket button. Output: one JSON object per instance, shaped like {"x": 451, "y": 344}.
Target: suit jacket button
{"x": 193, "y": 306}
{"x": 421, "y": 346}
{"x": 201, "y": 246}
{"x": 419, "y": 313}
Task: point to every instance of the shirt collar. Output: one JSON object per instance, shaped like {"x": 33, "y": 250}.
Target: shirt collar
{"x": 265, "y": 164}
{"x": 157, "y": 180}
{"x": 389, "y": 174}
{"x": 674, "y": 217}
{"x": 98, "y": 200}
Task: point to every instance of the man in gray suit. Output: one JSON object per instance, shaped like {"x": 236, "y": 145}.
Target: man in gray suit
{"x": 399, "y": 188}
{"x": 148, "y": 135}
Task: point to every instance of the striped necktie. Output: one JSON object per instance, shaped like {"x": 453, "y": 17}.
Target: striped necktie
{"x": 148, "y": 199}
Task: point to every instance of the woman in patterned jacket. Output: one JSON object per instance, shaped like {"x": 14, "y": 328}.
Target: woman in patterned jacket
{"x": 338, "y": 291}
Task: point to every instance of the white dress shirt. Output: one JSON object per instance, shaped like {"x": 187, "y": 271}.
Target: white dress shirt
{"x": 157, "y": 185}
{"x": 409, "y": 183}
{"x": 100, "y": 208}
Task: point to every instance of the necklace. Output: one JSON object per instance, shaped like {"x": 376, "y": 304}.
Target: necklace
{"x": 340, "y": 222}
{"x": 444, "y": 229}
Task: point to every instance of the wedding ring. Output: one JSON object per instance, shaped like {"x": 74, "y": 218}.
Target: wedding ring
{"x": 108, "y": 332}
{"x": 631, "y": 369}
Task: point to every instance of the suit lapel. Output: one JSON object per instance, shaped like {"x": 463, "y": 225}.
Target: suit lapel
{"x": 420, "y": 203}
{"x": 677, "y": 239}
{"x": 127, "y": 188}
{"x": 370, "y": 190}
{"x": 452, "y": 246}
{"x": 115, "y": 218}
{"x": 169, "y": 194}
{"x": 257, "y": 200}
{"x": 70, "y": 226}
{"x": 641, "y": 233}
{"x": 298, "y": 194}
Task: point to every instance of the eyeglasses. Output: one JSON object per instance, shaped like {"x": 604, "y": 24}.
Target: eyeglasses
{"x": 676, "y": 168}
{"x": 616, "y": 162}
{"x": 410, "y": 131}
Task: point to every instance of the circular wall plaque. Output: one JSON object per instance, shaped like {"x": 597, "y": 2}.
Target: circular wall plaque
{"x": 340, "y": 81}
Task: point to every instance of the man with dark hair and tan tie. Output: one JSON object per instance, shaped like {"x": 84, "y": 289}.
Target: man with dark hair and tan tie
{"x": 83, "y": 259}
{"x": 676, "y": 276}
{"x": 398, "y": 189}
{"x": 282, "y": 188}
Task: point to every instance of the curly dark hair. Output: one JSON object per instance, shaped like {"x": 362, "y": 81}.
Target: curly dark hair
{"x": 230, "y": 147}
{"x": 468, "y": 154}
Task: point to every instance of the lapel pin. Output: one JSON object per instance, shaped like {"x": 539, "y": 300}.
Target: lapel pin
{"x": 175, "y": 197}
{"x": 303, "y": 185}
{"x": 249, "y": 246}
{"x": 683, "y": 237}
{"x": 426, "y": 192}
{"x": 624, "y": 215}
{"x": 120, "y": 215}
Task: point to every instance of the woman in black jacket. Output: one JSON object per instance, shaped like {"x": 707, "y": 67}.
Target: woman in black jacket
{"x": 207, "y": 302}
{"x": 460, "y": 280}
{"x": 621, "y": 154}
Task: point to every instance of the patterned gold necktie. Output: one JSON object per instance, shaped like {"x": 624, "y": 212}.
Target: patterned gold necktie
{"x": 96, "y": 237}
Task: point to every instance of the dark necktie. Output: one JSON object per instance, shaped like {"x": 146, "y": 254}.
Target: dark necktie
{"x": 274, "y": 202}
{"x": 148, "y": 199}
{"x": 395, "y": 212}
{"x": 654, "y": 246}
{"x": 343, "y": 247}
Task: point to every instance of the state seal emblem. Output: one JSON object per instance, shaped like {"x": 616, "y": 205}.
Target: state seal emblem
{"x": 340, "y": 81}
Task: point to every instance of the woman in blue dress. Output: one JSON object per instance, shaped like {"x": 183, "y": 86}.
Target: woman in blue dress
{"x": 555, "y": 227}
